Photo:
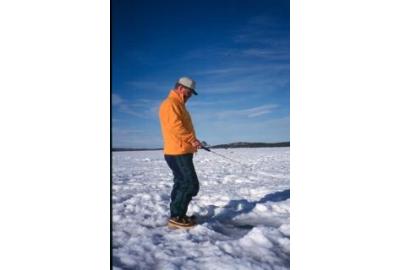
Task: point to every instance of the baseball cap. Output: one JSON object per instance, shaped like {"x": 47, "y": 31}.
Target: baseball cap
{"x": 189, "y": 83}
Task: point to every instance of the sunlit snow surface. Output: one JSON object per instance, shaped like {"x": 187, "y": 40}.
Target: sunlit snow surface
{"x": 243, "y": 208}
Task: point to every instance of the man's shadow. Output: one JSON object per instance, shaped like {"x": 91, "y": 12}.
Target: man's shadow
{"x": 237, "y": 207}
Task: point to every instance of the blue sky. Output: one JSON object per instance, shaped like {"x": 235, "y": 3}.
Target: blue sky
{"x": 237, "y": 51}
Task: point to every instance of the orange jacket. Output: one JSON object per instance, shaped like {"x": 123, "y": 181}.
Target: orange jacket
{"x": 176, "y": 126}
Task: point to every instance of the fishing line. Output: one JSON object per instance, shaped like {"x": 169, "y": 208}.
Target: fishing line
{"x": 218, "y": 154}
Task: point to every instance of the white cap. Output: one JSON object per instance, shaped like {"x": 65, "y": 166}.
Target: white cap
{"x": 189, "y": 83}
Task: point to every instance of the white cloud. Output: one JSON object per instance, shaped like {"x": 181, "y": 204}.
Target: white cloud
{"x": 251, "y": 112}
{"x": 122, "y": 131}
{"x": 272, "y": 54}
{"x": 242, "y": 69}
{"x": 125, "y": 108}
{"x": 124, "y": 137}
{"x": 262, "y": 29}
{"x": 116, "y": 100}
{"x": 257, "y": 82}
{"x": 259, "y": 110}
{"x": 159, "y": 86}
{"x": 142, "y": 108}
{"x": 143, "y": 84}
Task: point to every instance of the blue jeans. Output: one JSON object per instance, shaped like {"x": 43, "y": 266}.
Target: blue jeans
{"x": 186, "y": 184}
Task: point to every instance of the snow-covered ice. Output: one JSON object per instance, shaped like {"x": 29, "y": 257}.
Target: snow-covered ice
{"x": 243, "y": 212}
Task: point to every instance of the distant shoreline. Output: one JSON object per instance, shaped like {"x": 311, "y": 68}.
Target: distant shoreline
{"x": 219, "y": 146}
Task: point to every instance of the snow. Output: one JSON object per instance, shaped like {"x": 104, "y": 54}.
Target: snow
{"x": 243, "y": 210}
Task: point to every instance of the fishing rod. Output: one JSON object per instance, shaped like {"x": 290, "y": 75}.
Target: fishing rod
{"x": 209, "y": 150}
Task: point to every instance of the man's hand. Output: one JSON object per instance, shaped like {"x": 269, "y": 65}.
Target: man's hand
{"x": 196, "y": 144}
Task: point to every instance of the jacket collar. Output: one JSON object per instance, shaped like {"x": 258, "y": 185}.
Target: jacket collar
{"x": 176, "y": 96}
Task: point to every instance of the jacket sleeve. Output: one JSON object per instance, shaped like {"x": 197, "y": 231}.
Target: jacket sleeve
{"x": 180, "y": 126}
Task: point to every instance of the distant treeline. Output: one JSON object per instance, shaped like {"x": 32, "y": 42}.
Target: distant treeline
{"x": 229, "y": 145}
{"x": 251, "y": 145}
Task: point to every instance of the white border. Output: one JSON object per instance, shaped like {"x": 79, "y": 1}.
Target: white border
{"x": 344, "y": 134}
{"x": 55, "y": 138}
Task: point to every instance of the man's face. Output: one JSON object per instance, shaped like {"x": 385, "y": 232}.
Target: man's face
{"x": 186, "y": 92}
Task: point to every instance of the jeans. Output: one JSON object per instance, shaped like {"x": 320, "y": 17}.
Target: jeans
{"x": 186, "y": 184}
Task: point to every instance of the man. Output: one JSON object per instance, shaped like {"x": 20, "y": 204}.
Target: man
{"x": 180, "y": 143}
